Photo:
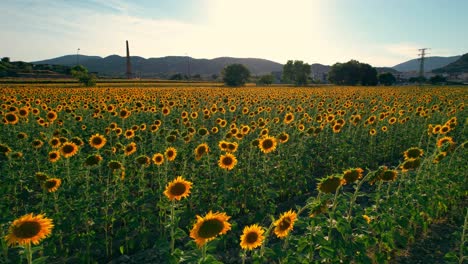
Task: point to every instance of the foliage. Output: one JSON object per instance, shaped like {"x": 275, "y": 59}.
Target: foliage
{"x": 266, "y": 79}
{"x": 288, "y": 143}
{"x": 235, "y": 75}
{"x": 296, "y": 72}
{"x": 437, "y": 79}
{"x": 352, "y": 73}
{"x": 81, "y": 74}
{"x": 387, "y": 78}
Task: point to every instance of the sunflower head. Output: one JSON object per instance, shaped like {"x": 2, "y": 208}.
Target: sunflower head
{"x": 143, "y": 160}
{"x": 227, "y": 161}
{"x": 130, "y": 149}
{"x": 93, "y": 160}
{"x": 69, "y": 149}
{"x": 410, "y": 164}
{"x": 252, "y": 237}
{"x": 115, "y": 165}
{"x": 158, "y": 159}
{"x": 352, "y": 175}
{"x": 178, "y": 189}
{"x": 208, "y": 227}
{"x": 331, "y": 183}
{"x": 54, "y": 156}
{"x": 267, "y": 144}
{"x": 170, "y": 153}
{"x": 52, "y": 184}
{"x": 29, "y": 228}
{"x": 201, "y": 150}
{"x": 285, "y": 224}
{"x": 283, "y": 137}
{"x": 388, "y": 175}
{"x": 413, "y": 153}
{"x": 97, "y": 141}
{"x": 40, "y": 176}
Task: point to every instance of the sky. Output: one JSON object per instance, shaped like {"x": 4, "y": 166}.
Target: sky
{"x": 378, "y": 32}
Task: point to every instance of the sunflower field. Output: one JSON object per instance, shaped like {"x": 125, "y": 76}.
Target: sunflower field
{"x": 227, "y": 175}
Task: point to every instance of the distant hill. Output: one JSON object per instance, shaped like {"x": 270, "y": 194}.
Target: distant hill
{"x": 430, "y": 63}
{"x": 458, "y": 66}
{"x": 386, "y": 69}
{"x": 115, "y": 65}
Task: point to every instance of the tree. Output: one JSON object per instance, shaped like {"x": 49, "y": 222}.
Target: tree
{"x": 177, "y": 77}
{"x": 352, "y": 73}
{"x": 296, "y": 72}
{"x": 6, "y": 59}
{"x": 266, "y": 79}
{"x": 235, "y": 75}
{"x": 387, "y": 78}
{"x": 437, "y": 79}
{"x": 81, "y": 73}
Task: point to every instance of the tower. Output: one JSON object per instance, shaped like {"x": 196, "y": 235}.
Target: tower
{"x": 421, "y": 63}
{"x": 129, "y": 66}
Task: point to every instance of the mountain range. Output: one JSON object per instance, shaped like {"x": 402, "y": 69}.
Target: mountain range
{"x": 164, "y": 67}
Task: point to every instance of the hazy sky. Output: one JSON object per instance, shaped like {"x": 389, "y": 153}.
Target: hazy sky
{"x": 379, "y": 32}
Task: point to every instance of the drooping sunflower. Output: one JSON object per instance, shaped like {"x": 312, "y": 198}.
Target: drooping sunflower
{"x": 170, "y": 153}
{"x": 330, "y": 184}
{"x": 227, "y": 161}
{"x": 410, "y": 164}
{"x": 93, "y": 160}
{"x": 97, "y": 141}
{"x": 413, "y": 153}
{"x": 69, "y": 149}
{"x": 201, "y": 150}
{"x": 267, "y": 144}
{"x": 29, "y": 228}
{"x": 352, "y": 175}
{"x": 177, "y": 189}
{"x": 208, "y": 227}
{"x": 285, "y": 224}
{"x": 446, "y": 143}
{"x": 389, "y": 175}
{"x": 158, "y": 159}
{"x": 143, "y": 160}
{"x": 130, "y": 149}
{"x": 252, "y": 237}
{"x": 52, "y": 184}
{"x": 54, "y": 156}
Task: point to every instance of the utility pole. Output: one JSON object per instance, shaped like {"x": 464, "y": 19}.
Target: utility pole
{"x": 421, "y": 63}
{"x": 188, "y": 67}
{"x": 77, "y": 57}
{"x": 129, "y": 66}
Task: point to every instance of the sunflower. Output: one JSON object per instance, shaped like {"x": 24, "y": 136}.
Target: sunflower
{"x": 29, "y": 228}
{"x": 92, "y": 160}
{"x": 267, "y": 144}
{"x": 54, "y": 156}
{"x": 11, "y": 118}
{"x": 232, "y": 147}
{"x": 331, "y": 183}
{"x": 55, "y": 142}
{"x": 352, "y": 175}
{"x": 129, "y": 133}
{"x": 227, "y": 161}
{"x": 22, "y": 135}
{"x": 143, "y": 160}
{"x": 130, "y": 149}
{"x": 97, "y": 141}
{"x": 252, "y": 237}
{"x": 69, "y": 149}
{"x": 201, "y": 150}
{"x": 51, "y": 116}
{"x": 288, "y": 118}
{"x": 285, "y": 224}
{"x": 388, "y": 175}
{"x": 413, "y": 153}
{"x": 445, "y": 141}
{"x": 283, "y": 137}
{"x": 158, "y": 159}
{"x": 372, "y": 132}
{"x": 41, "y": 176}
{"x": 170, "y": 153}
{"x": 37, "y": 143}
{"x": 410, "y": 164}
{"x": 52, "y": 184}
{"x": 439, "y": 157}
{"x": 115, "y": 165}
{"x": 208, "y": 227}
{"x": 178, "y": 189}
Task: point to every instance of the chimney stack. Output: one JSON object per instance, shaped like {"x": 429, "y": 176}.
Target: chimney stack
{"x": 129, "y": 66}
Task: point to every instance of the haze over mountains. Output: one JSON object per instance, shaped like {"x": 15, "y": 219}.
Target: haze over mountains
{"x": 115, "y": 65}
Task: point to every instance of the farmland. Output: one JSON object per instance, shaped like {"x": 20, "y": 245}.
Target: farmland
{"x": 326, "y": 173}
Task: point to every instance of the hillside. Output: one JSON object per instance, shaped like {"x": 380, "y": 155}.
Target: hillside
{"x": 430, "y": 63}
{"x": 115, "y": 65}
{"x": 458, "y": 66}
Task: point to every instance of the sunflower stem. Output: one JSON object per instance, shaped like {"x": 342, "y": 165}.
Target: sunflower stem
{"x": 332, "y": 213}
{"x": 267, "y": 233}
{"x": 28, "y": 252}
{"x": 172, "y": 226}
{"x": 356, "y": 192}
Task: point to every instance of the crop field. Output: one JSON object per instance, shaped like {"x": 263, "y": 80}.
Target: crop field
{"x": 227, "y": 175}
